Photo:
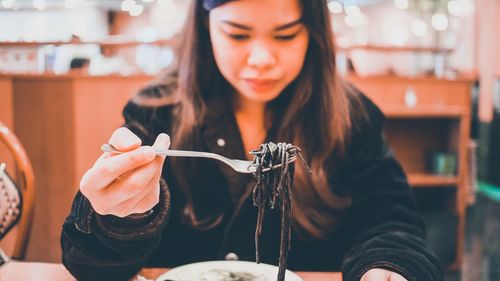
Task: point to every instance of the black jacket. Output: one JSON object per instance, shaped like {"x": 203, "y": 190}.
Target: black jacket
{"x": 381, "y": 229}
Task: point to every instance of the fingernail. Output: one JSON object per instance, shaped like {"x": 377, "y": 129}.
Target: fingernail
{"x": 165, "y": 140}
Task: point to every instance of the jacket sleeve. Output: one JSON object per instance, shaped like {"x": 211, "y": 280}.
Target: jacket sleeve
{"x": 96, "y": 247}
{"x": 386, "y": 230}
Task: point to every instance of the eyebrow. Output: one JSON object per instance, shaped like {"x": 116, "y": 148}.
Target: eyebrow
{"x": 246, "y": 27}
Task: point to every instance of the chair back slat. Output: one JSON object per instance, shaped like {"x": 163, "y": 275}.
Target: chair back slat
{"x": 25, "y": 180}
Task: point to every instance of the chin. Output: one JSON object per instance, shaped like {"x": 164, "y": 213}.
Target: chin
{"x": 260, "y": 96}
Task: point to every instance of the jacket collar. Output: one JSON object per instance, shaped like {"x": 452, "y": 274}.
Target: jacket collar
{"x": 221, "y": 135}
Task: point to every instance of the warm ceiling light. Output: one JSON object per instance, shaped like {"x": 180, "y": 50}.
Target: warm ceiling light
{"x": 440, "y": 21}
{"x": 8, "y": 4}
{"x": 396, "y": 35}
{"x": 41, "y": 5}
{"x": 461, "y": 8}
{"x": 335, "y": 7}
{"x": 71, "y": 3}
{"x": 418, "y": 28}
{"x": 401, "y": 4}
{"x": 127, "y": 5}
{"x": 136, "y": 10}
{"x": 352, "y": 10}
{"x": 354, "y": 17}
{"x": 355, "y": 20}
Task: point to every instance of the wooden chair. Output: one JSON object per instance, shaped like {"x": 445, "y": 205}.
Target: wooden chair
{"x": 24, "y": 179}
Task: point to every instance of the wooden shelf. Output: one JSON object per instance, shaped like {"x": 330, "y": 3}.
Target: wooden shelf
{"x": 429, "y": 180}
{"x": 391, "y": 78}
{"x": 439, "y": 120}
{"x": 423, "y": 112}
{"x": 70, "y": 75}
{"x": 110, "y": 41}
{"x": 393, "y": 49}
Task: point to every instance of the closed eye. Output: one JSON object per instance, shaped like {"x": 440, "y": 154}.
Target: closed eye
{"x": 239, "y": 37}
{"x": 285, "y": 37}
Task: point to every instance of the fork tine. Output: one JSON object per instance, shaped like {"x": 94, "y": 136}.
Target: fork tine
{"x": 253, "y": 168}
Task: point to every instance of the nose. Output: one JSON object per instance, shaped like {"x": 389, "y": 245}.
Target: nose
{"x": 260, "y": 56}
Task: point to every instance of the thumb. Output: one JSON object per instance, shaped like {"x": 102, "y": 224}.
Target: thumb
{"x": 162, "y": 142}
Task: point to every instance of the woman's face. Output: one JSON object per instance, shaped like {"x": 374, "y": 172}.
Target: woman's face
{"x": 259, "y": 45}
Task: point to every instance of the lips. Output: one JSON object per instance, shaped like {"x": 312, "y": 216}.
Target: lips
{"x": 261, "y": 84}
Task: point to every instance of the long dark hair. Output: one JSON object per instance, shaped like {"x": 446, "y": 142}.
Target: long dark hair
{"x": 313, "y": 113}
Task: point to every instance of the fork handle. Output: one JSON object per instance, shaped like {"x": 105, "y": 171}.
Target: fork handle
{"x": 185, "y": 153}
{"x": 171, "y": 152}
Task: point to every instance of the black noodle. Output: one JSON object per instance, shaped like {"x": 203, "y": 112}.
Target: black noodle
{"x": 274, "y": 188}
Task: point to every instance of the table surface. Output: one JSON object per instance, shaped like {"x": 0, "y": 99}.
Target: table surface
{"x": 31, "y": 271}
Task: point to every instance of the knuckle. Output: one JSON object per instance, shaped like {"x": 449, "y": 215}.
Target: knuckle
{"x": 84, "y": 181}
{"x": 100, "y": 209}
{"x": 153, "y": 199}
{"x": 142, "y": 155}
{"x": 137, "y": 156}
{"x": 135, "y": 183}
{"x": 155, "y": 202}
{"x": 145, "y": 206}
{"x": 141, "y": 209}
{"x": 88, "y": 192}
{"x": 105, "y": 170}
{"x": 121, "y": 213}
{"x": 85, "y": 190}
{"x": 84, "y": 184}
{"x": 102, "y": 204}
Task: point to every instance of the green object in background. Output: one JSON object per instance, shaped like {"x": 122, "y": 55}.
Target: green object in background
{"x": 489, "y": 190}
{"x": 442, "y": 163}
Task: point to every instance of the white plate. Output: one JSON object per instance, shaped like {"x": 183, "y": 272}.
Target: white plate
{"x": 222, "y": 270}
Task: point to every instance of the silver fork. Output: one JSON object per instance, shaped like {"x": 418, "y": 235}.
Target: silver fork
{"x": 240, "y": 166}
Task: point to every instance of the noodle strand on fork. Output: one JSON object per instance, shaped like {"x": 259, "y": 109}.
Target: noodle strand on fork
{"x": 275, "y": 187}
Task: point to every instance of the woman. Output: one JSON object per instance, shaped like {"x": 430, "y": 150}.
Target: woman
{"x": 251, "y": 71}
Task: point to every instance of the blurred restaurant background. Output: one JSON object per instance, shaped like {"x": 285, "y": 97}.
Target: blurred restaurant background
{"x": 67, "y": 68}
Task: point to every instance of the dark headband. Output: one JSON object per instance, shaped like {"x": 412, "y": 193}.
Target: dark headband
{"x": 210, "y": 4}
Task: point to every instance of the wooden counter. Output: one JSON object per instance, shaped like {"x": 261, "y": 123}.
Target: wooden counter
{"x": 62, "y": 122}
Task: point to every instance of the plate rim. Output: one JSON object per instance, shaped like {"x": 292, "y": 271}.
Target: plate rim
{"x": 180, "y": 267}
